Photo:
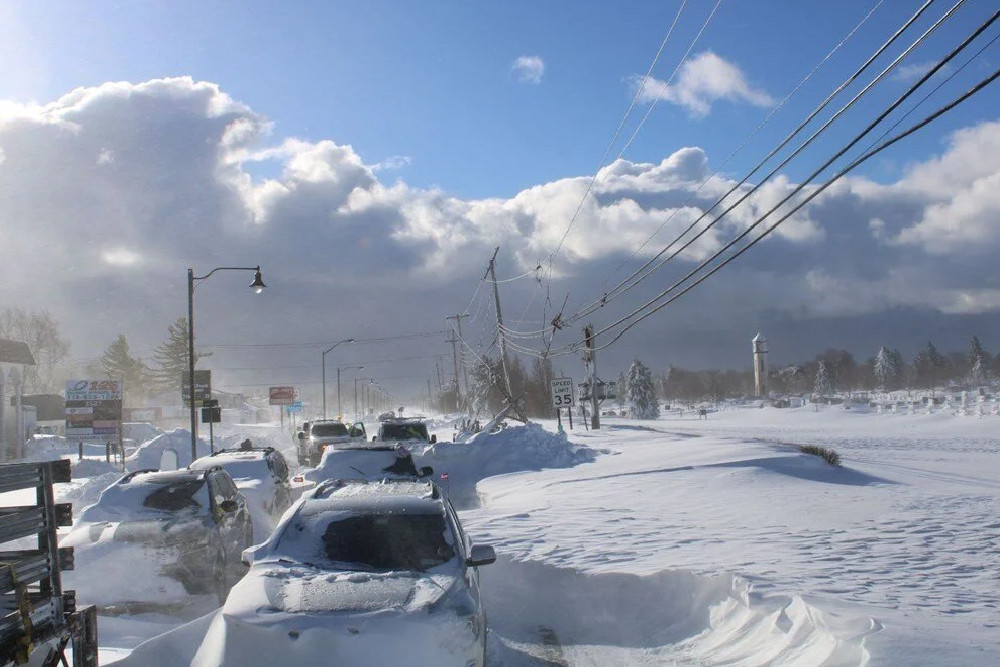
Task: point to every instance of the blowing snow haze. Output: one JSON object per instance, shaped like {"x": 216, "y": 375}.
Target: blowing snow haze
{"x": 370, "y": 159}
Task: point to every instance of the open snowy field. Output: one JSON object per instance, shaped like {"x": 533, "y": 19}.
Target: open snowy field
{"x": 687, "y": 541}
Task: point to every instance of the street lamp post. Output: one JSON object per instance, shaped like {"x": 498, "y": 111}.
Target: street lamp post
{"x": 356, "y": 414}
{"x": 257, "y": 286}
{"x": 340, "y": 410}
{"x": 346, "y": 340}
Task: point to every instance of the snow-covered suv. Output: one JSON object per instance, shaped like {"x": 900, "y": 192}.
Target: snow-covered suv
{"x": 409, "y": 431}
{"x": 325, "y": 432}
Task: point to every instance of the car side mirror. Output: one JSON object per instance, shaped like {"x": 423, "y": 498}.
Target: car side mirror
{"x": 248, "y": 555}
{"x": 374, "y": 438}
{"x": 434, "y": 439}
{"x": 300, "y": 435}
{"x": 481, "y": 554}
{"x": 426, "y": 471}
{"x": 228, "y": 506}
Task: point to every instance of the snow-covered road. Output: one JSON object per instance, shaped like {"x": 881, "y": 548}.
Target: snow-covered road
{"x": 686, "y": 541}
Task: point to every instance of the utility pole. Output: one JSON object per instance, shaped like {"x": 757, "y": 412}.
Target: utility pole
{"x": 454, "y": 351}
{"x": 437, "y": 367}
{"x": 461, "y": 359}
{"x": 491, "y": 271}
{"x": 590, "y": 356}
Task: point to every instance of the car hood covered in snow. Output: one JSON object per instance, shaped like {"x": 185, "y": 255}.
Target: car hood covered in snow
{"x": 281, "y": 610}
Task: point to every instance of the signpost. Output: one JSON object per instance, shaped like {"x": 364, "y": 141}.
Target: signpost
{"x": 94, "y": 412}
{"x": 211, "y": 414}
{"x": 283, "y": 395}
{"x": 562, "y": 397}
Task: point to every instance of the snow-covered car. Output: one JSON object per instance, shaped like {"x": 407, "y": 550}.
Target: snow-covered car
{"x": 323, "y": 433}
{"x": 261, "y": 475}
{"x": 411, "y": 431}
{"x": 361, "y": 573}
{"x": 156, "y": 538}
{"x": 372, "y": 462}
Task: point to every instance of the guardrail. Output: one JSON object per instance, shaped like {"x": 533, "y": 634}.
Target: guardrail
{"x": 38, "y": 619}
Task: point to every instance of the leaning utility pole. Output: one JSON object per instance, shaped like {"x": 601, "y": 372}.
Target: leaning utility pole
{"x": 590, "y": 356}
{"x": 461, "y": 358}
{"x": 491, "y": 271}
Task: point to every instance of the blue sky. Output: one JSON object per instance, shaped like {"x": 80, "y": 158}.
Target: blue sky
{"x": 432, "y": 81}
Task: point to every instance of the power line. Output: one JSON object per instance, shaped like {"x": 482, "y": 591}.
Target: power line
{"x": 853, "y": 165}
{"x": 632, "y": 280}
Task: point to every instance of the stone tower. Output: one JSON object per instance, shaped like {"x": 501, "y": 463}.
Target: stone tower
{"x": 759, "y": 344}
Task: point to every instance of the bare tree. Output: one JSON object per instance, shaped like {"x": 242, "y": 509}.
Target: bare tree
{"x": 40, "y": 331}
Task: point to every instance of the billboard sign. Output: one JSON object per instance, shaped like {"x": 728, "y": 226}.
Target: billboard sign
{"x": 94, "y": 410}
{"x": 282, "y": 395}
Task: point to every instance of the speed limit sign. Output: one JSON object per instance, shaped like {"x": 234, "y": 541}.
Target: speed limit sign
{"x": 562, "y": 393}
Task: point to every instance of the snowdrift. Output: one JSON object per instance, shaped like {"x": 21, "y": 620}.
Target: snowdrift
{"x": 514, "y": 449}
{"x": 149, "y": 454}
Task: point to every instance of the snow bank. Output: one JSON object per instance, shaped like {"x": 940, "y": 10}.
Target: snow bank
{"x": 514, "y": 449}
{"x": 148, "y": 455}
{"x": 543, "y": 614}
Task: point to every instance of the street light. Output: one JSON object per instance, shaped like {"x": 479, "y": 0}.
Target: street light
{"x": 340, "y": 411}
{"x": 346, "y": 340}
{"x": 257, "y": 286}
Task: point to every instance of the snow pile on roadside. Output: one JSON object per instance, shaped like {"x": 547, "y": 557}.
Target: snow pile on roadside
{"x": 514, "y": 449}
{"x": 53, "y": 447}
{"x": 148, "y": 455}
{"x": 136, "y": 433}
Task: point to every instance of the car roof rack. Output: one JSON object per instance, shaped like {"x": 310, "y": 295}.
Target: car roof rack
{"x": 330, "y": 485}
{"x": 229, "y": 450}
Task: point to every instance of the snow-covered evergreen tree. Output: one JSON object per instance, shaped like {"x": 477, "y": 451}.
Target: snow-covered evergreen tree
{"x": 887, "y": 368}
{"x": 119, "y": 364}
{"x": 641, "y": 392}
{"x": 823, "y": 384}
{"x": 977, "y": 361}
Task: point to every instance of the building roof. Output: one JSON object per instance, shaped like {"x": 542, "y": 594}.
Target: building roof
{"x": 15, "y": 352}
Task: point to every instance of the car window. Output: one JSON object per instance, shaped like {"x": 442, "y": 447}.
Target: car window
{"x": 389, "y": 541}
{"x": 223, "y": 488}
{"x": 278, "y": 466}
{"x": 328, "y": 430}
{"x": 404, "y": 432}
{"x": 174, "y": 496}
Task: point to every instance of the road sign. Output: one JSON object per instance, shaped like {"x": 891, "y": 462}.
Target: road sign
{"x": 282, "y": 395}
{"x": 202, "y": 387}
{"x": 562, "y": 393}
{"x": 295, "y": 406}
{"x": 211, "y": 415}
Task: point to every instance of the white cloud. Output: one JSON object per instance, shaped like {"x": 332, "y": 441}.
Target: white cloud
{"x": 392, "y": 163}
{"x": 529, "y": 69}
{"x": 702, "y": 81}
{"x": 357, "y": 254}
{"x": 910, "y": 73}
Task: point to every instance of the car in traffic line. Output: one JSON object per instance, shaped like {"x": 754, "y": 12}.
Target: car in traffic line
{"x": 261, "y": 475}
{"x": 322, "y": 433}
{"x": 411, "y": 431}
{"x": 361, "y": 573}
{"x": 164, "y": 535}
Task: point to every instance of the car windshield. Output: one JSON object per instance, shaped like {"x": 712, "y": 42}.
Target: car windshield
{"x": 327, "y": 430}
{"x": 371, "y": 542}
{"x": 174, "y": 496}
{"x": 404, "y": 432}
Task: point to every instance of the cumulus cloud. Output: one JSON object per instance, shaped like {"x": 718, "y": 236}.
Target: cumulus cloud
{"x": 392, "y": 163}
{"x": 529, "y": 69}
{"x": 346, "y": 254}
{"x": 702, "y": 81}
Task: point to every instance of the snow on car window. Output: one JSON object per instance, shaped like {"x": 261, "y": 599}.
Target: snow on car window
{"x": 175, "y": 496}
{"x": 327, "y": 430}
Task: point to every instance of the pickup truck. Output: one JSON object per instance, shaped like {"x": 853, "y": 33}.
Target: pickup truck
{"x": 325, "y": 432}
